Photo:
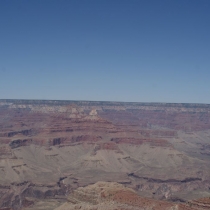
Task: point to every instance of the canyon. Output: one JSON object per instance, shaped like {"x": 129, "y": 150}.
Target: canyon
{"x": 104, "y": 155}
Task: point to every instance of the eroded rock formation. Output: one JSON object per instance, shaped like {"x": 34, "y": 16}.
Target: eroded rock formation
{"x": 50, "y": 148}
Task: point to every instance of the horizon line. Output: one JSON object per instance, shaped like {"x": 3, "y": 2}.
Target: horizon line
{"x": 95, "y": 101}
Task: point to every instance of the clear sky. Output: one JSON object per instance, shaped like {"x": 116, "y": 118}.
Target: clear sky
{"x": 105, "y": 50}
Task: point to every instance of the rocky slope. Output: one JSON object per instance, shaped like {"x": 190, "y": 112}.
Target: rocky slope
{"x": 114, "y": 196}
{"x": 50, "y": 148}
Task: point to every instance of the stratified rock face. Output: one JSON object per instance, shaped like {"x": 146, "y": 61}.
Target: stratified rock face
{"x": 203, "y": 203}
{"x": 114, "y": 196}
{"x": 50, "y": 148}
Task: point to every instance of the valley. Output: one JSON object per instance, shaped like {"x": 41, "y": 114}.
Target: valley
{"x": 53, "y": 151}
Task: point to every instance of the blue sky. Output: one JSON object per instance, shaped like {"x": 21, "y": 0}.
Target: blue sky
{"x": 105, "y": 50}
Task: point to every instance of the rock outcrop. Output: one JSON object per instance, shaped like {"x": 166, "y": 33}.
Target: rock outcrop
{"x": 114, "y": 196}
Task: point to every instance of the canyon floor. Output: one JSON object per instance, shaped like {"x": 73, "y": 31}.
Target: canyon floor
{"x": 104, "y": 155}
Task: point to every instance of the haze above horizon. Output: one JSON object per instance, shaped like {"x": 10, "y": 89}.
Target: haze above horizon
{"x": 119, "y": 50}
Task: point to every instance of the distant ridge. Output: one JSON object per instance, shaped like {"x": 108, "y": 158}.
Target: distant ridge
{"x": 104, "y": 103}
